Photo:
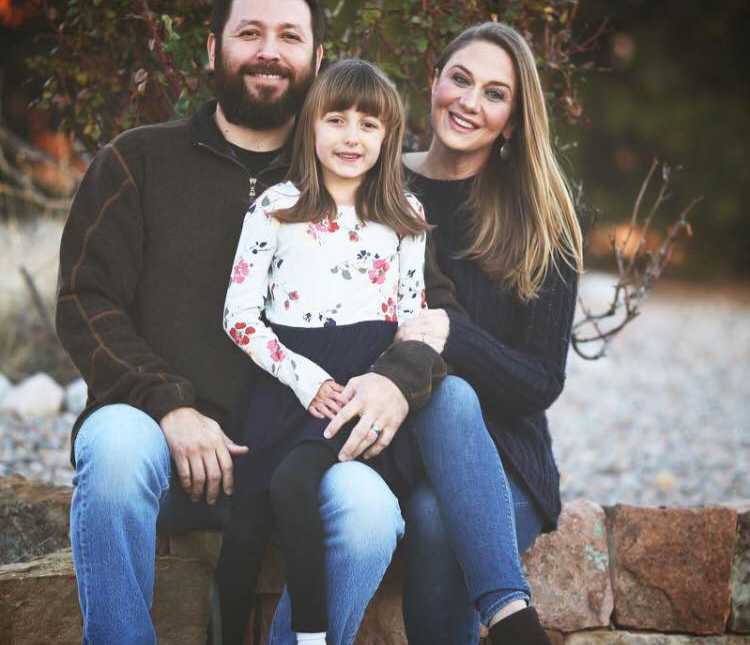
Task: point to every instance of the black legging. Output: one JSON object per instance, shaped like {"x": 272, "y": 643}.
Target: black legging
{"x": 293, "y": 505}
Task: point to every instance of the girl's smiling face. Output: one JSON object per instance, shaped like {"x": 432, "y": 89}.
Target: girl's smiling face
{"x": 472, "y": 98}
{"x": 347, "y": 144}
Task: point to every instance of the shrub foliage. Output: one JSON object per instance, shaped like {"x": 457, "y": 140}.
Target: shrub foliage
{"x": 112, "y": 65}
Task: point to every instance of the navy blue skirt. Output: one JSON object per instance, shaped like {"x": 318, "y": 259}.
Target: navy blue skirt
{"x": 273, "y": 421}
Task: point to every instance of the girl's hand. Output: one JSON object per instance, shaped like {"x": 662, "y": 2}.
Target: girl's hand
{"x": 430, "y": 326}
{"x": 328, "y": 401}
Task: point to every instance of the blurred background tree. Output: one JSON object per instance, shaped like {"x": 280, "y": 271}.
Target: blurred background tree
{"x": 107, "y": 66}
{"x": 675, "y": 87}
{"x": 661, "y": 79}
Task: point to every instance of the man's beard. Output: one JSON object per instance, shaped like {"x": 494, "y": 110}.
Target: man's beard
{"x": 261, "y": 111}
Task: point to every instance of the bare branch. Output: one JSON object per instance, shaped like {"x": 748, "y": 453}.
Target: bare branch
{"x": 38, "y": 301}
{"x": 637, "y": 270}
{"x": 34, "y": 197}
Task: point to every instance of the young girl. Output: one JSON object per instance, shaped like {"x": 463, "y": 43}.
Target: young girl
{"x": 328, "y": 264}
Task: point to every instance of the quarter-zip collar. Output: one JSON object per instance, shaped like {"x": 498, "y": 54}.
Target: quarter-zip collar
{"x": 206, "y": 134}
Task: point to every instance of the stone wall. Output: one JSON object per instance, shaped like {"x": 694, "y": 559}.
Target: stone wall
{"x": 618, "y": 575}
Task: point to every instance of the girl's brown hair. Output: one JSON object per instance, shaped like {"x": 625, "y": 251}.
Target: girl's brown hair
{"x": 353, "y": 83}
{"x": 522, "y": 218}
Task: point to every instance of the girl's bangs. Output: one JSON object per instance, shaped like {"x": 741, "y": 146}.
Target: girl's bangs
{"x": 361, "y": 90}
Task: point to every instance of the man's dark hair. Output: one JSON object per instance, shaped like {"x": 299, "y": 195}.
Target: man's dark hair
{"x": 221, "y": 9}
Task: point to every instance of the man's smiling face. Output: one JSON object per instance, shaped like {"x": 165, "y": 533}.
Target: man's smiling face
{"x": 264, "y": 62}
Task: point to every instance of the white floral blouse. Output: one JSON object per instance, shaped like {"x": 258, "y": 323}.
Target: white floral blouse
{"x": 333, "y": 272}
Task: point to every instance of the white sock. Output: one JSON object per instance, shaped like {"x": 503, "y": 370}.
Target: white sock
{"x": 311, "y": 638}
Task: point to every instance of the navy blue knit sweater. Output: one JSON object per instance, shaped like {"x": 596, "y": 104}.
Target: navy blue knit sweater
{"x": 512, "y": 353}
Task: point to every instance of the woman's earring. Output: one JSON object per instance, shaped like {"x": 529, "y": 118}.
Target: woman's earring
{"x": 505, "y": 149}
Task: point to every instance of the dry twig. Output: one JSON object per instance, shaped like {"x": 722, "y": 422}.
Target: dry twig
{"x": 637, "y": 270}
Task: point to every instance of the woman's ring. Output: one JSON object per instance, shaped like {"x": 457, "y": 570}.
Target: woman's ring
{"x": 376, "y": 429}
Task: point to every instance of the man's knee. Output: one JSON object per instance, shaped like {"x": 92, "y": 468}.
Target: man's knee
{"x": 360, "y": 513}
{"x": 118, "y": 450}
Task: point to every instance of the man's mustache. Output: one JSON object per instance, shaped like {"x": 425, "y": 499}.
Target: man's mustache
{"x": 267, "y": 68}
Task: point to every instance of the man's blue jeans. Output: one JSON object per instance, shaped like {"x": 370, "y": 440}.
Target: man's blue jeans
{"x": 122, "y": 480}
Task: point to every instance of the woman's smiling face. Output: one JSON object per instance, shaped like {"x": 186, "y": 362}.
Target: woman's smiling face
{"x": 473, "y": 98}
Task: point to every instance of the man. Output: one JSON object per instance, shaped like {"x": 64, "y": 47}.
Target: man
{"x": 145, "y": 259}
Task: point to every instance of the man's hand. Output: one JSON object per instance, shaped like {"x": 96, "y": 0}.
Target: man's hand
{"x": 328, "y": 401}
{"x": 430, "y": 326}
{"x": 381, "y": 409}
{"x": 201, "y": 452}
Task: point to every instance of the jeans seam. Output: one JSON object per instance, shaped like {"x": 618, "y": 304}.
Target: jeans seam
{"x": 513, "y": 595}
{"x": 82, "y": 539}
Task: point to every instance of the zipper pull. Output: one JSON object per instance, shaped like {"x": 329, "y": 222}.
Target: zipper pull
{"x": 253, "y": 181}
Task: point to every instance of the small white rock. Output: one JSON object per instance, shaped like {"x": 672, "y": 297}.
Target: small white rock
{"x": 5, "y": 386}
{"x": 36, "y": 397}
{"x": 75, "y": 396}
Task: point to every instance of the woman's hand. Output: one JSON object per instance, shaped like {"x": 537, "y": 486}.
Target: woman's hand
{"x": 328, "y": 401}
{"x": 430, "y": 326}
{"x": 381, "y": 409}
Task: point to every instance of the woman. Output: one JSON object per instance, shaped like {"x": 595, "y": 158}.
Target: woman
{"x": 507, "y": 235}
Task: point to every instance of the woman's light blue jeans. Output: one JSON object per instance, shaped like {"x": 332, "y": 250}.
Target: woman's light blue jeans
{"x": 465, "y": 526}
{"x": 122, "y": 482}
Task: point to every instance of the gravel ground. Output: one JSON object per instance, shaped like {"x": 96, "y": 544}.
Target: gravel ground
{"x": 662, "y": 419}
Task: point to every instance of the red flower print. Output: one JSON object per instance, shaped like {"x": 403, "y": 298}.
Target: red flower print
{"x": 240, "y": 271}
{"x": 241, "y": 333}
{"x": 353, "y": 237}
{"x": 378, "y": 271}
{"x": 277, "y": 355}
{"x": 333, "y": 227}
{"x": 292, "y": 295}
{"x": 389, "y": 309}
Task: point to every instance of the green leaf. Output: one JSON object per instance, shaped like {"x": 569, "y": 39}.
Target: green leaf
{"x": 168, "y": 25}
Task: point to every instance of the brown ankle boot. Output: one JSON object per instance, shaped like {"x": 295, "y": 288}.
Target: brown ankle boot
{"x": 520, "y": 628}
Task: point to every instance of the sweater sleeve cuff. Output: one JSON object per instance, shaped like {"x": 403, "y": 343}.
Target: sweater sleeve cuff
{"x": 414, "y": 367}
{"x": 165, "y": 398}
{"x": 307, "y": 392}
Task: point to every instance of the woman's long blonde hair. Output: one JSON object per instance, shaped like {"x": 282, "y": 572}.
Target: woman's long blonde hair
{"x": 521, "y": 215}
{"x": 380, "y": 197}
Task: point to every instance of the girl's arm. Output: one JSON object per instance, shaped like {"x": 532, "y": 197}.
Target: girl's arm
{"x": 527, "y": 377}
{"x": 245, "y": 301}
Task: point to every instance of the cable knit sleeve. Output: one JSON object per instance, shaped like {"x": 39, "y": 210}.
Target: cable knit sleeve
{"x": 527, "y": 377}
